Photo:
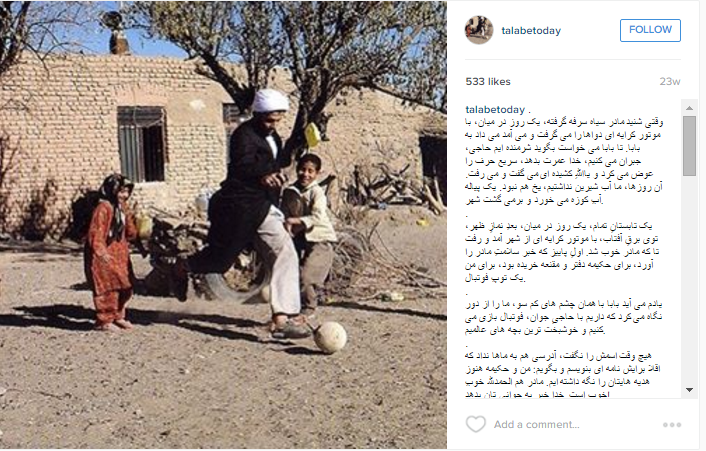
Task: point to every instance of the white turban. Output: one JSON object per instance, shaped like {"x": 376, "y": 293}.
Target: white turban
{"x": 269, "y": 100}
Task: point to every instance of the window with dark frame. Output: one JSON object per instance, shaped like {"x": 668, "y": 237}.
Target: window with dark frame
{"x": 141, "y": 142}
{"x": 232, "y": 118}
{"x": 434, "y": 164}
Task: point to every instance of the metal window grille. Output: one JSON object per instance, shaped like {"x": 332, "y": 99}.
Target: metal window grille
{"x": 434, "y": 163}
{"x": 232, "y": 114}
{"x": 141, "y": 143}
{"x": 232, "y": 118}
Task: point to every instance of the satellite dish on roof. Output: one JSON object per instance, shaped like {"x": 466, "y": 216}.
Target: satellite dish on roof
{"x": 112, "y": 20}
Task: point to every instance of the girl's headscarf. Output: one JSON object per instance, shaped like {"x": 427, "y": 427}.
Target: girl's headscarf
{"x": 109, "y": 191}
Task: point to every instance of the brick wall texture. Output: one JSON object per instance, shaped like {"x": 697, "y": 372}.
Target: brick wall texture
{"x": 59, "y": 129}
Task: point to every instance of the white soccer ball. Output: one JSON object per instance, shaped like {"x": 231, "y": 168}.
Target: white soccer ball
{"x": 330, "y": 337}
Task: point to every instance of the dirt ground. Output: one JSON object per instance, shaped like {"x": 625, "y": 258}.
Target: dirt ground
{"x": 206, "y": 374}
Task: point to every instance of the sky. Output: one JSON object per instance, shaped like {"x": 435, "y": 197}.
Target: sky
{"x": 95, "y": 41}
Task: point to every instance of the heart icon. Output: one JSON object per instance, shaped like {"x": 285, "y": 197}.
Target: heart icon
{"x": 475, "y": 423}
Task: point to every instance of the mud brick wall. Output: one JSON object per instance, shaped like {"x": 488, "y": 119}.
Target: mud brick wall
{"x": 367, "y": 128}
{"x": 59, "y": 134}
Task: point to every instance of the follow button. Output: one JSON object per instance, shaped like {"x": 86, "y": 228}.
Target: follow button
{"x": 650, "y": 30}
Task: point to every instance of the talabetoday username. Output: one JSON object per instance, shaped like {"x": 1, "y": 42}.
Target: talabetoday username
{"x": 533, "y": 30}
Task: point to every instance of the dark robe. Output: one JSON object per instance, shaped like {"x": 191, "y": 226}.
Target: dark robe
{"x": 239, "y": 207}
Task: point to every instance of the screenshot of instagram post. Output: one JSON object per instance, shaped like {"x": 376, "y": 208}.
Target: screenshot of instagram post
{"x": 223, "y": 225}
{"x": 574, "y": 226}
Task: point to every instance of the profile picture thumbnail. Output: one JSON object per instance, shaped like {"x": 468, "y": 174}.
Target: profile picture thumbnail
{"x": 479, "y": 29}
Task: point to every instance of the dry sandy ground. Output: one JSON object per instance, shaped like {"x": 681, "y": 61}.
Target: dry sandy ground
{"x": 205, "y": 374}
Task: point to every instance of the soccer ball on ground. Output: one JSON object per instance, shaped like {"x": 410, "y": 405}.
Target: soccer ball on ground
{"x": 330, "y": 337}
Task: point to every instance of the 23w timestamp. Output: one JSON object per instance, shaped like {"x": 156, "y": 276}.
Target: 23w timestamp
{"x": 669, "y": 81}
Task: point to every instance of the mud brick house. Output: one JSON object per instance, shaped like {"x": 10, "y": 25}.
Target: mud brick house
{"x": 67, "y": 122}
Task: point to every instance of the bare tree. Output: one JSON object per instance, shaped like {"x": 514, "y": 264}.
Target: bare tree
{"x": 329, "y": 47}
{"x": 36, "y": 29}
{"x": 40, "y": 28}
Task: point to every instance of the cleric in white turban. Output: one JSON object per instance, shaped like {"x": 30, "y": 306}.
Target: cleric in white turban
{"x": 246, "y": 208}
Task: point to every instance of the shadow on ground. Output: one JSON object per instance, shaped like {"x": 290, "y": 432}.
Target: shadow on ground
{"x": 79, "y": 318}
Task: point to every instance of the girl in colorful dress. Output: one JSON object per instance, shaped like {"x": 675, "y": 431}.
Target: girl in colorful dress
{"x": 107, "y": 255}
